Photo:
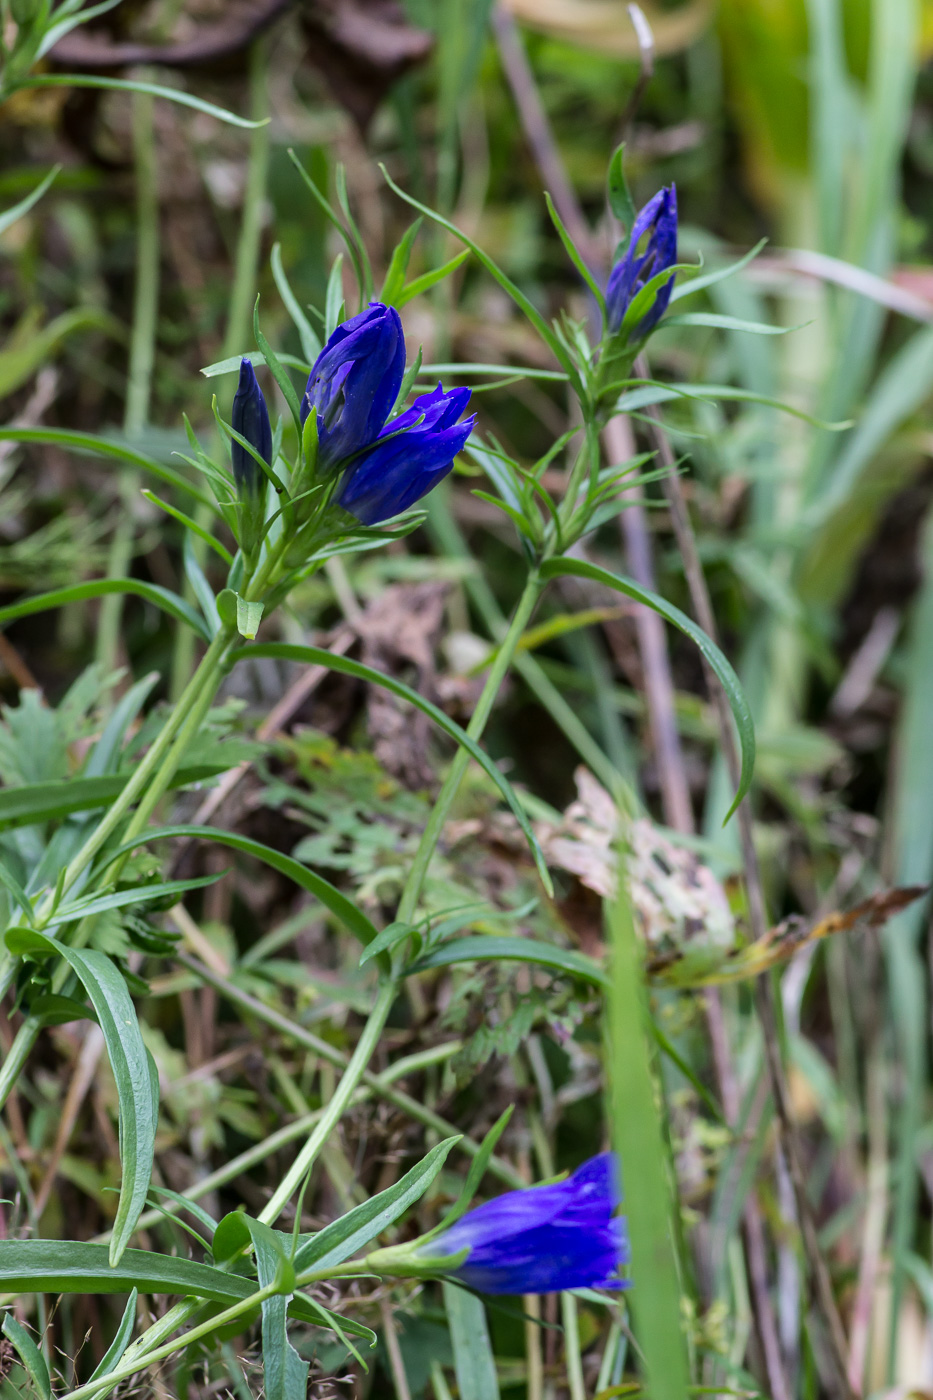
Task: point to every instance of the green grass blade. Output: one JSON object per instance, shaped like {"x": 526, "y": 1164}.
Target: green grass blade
{"x": 474, "y": 1361}
{"x": 638, "y": 1141}
{"x": 152, "y": 592}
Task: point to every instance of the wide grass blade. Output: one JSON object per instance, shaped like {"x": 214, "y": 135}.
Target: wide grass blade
{"x": 638, "y": 1141}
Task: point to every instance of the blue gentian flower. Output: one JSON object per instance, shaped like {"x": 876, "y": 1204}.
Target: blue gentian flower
{"x": 250, "y": 418}
{"x": 545, "y": 1239}
{"x": 355, "y": 382}
{"x": 408, "y": 458}
{"x": 658, "y": 220}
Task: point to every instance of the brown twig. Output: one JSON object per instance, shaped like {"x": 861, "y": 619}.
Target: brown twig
{"x": 94, "y": 49}
{"x": 764, "y": 991}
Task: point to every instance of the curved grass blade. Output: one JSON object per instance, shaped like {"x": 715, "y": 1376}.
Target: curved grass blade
{"x": 184, "y": 99}
{"x": 97, "y": 588}
{"x": 741, "y": 711}
{"x": 484, "y": 947}
{"x": 9, "y": 216}
{"x": 652, "y": 391}
{"x": 317, "y": 656}
{"x": 94, "y": 446}
{"x": 339, "y": 905}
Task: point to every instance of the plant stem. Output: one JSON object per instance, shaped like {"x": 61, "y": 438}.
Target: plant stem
{"x": 445, "y": 800}
{"x": 142, "y": 356}
{"x": 344, "y": 1091}
{"x": 204, "y": 1329}
{"x": 411, "y": 894}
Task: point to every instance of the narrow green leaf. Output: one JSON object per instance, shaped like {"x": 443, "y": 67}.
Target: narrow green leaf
{"x": 386, "y": 940}
{"x": 120, "y": 1341}
{"x": 398, "y": 267}
{"x": 337, "y": 1241}
{"x": 42, "y": 802}
{"x": 317, "y": 656}
{"x": 184, "y": 99}
{"x": 517, "y": 295}
{"x": 474, "y": 1176}
{"x": 106, "y": 988}
{"x": 709, "y": 279}
{"x": 98, "y": 588}
{"x": 190, "y": 524}
{"x": 575, "y": 257}
{"x": 278, "y": 373}
{"x": 339, "y": 905}
{"x": 427, "y": 280}
{"x": 255, "y": 357}
{"x": 9, "y": 216}
{"x": 493, "y": 947}
{"x": 89, "y": 444}
{"x": 741, "y": 711}
{"x": 120, "y": 899}
{"x": 67, "y": 1266}
{"x": 619, "y": 196}
{"x": 310, "y": 340}
{"x": 29, "y": 1354}
{"x": 726, "y": 323}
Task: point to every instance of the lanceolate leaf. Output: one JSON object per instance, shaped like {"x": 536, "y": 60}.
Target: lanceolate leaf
{"x": 317, "y": 656}
{"x": 581, "y": 568}
{"x": 121, "y": 1339}
{"x": 29, "y": 1354}
{"x": 131, "y": 1069}
{"x": 66, "y": 1266}
{"x": 336, "y": 1242}
{"x": 162, "y": 598}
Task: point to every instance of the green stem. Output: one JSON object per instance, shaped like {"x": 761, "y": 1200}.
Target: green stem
{"x": 157, "y": 769}
{"x": 411, "y": 894}
{"x": 441, "y": 810}
{"x": 142, "y": 357}
{"x": 335, "y": 1108}
{"x": 204, "y": 1329}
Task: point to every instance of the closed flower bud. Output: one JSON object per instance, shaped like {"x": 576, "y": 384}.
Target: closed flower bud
{"x": 250, "y": 418}
{"x": 355, "y": 382}
{"x": 408, "y": 458}
{"x": 658, "y": 220}
{"x": 544, "y": 1239}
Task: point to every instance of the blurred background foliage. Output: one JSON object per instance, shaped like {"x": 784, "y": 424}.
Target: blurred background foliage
{"x": 805, "y": 122}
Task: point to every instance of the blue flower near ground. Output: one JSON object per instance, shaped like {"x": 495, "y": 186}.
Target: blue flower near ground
{"x": 544, "y": 1239}
{"x": 409, "y": 457}
{"x": 355, "y": 382}
{"x": 658, "y": 220}
{"x": 250, "y": 418}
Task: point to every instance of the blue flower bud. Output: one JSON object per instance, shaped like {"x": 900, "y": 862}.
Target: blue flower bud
{"x": 355, "y": 382}
{"x": 250, "y": 418}
{"x": 408, "y": 458}
{"x": 658, "y": 220}
{"x": 545, "y": 1239}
